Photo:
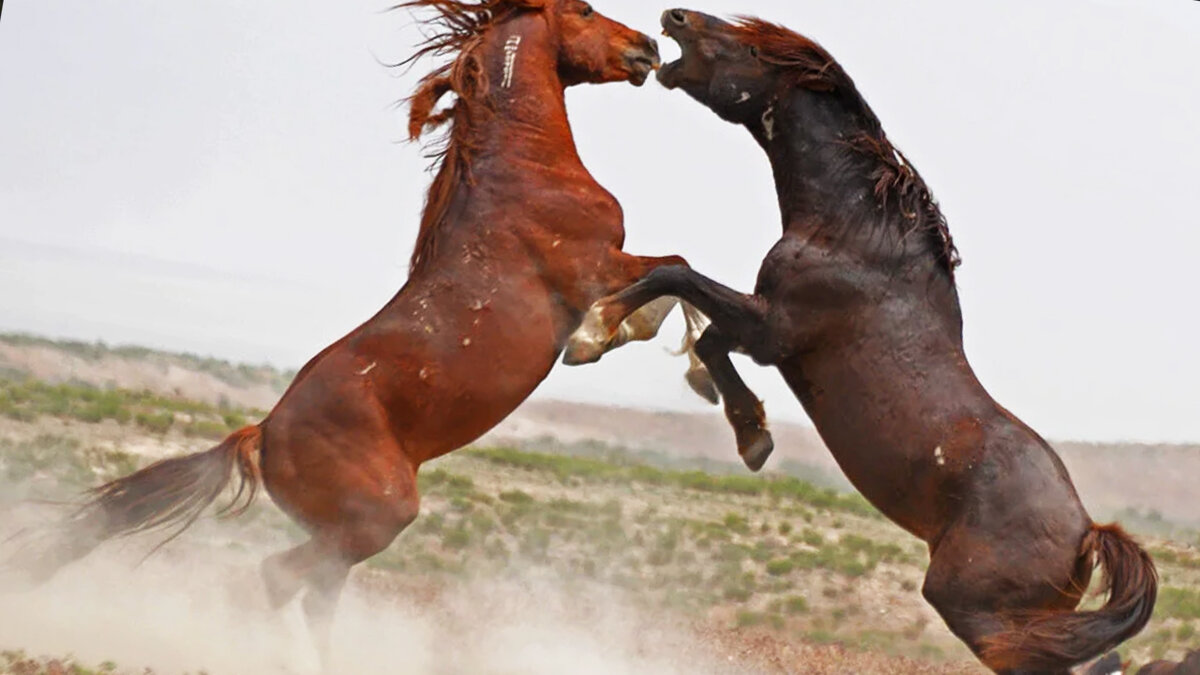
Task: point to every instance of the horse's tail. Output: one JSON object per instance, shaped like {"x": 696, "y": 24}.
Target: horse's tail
{"x": 173, "y": 492}
{"x": 1057, "y": 640}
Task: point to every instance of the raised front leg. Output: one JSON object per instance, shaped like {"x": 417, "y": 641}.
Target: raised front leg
{"x": 736, "y": 313}
{"x": 645, "y": 322}
{"x": 742, "y": 408}
{"x": 738, "y": 319}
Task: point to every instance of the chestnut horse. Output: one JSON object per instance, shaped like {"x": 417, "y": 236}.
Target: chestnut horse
{"x": 516, "y": 242}
{"x": 856, "y": 306}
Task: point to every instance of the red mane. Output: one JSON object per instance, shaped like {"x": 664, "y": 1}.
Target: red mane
{"x": 459, "y": 28}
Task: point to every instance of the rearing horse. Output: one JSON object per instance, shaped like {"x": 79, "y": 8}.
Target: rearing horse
{"x": 856, "y": 305}
{"x": 516, "y": 242}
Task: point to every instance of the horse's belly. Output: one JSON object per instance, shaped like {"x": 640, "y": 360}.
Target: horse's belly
{"x": 470, "y": 377}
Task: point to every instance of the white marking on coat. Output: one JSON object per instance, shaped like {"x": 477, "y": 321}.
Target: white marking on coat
{"x": 369, "y": 368}
{"x": 466, "y": 342}
{"x": 744, "y": 97}
{"x": 511, "y": 47}
{"x": 768, "y": 120}
{"x": 938, "y": 456}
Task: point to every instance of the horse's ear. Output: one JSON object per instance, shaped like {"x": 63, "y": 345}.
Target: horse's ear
{"x": 422, "y": 103}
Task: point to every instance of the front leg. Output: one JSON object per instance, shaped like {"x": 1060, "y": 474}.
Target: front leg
{"x": 742, "y": 408}
{"x": 645, "y": 322}
{"x": 737, "y": 314}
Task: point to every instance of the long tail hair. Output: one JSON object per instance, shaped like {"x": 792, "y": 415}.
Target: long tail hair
{"x": 172, "y": 493}
{"x": 1057, "y": 640}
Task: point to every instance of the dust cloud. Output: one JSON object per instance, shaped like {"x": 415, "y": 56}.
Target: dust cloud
{"x": 198, "y": 605}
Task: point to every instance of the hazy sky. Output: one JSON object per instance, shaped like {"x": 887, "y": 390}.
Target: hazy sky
{"x": 225, "y": 177}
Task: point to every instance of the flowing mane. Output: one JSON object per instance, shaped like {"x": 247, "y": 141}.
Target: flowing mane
{"x": 457, "y": 30}
{"x": 897, "y": 183}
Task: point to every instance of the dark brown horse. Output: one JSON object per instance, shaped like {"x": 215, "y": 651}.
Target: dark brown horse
{"x": 516, "y": 242}
{"x": 856, "y": 305}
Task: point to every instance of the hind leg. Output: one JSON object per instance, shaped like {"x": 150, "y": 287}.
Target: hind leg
{"x": 370, "y": 526}
{"x": 353, "y": 493}
{"x": 323, "y": 563}
{"x": 978, "y": 583}
{"x": 284, "y": 573}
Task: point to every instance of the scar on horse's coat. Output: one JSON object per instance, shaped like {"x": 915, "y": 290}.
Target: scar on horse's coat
{"x": 510, "y": 59}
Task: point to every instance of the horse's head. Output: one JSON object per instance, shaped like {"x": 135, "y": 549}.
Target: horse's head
{"x": 737, "y": 69}
{"x": 594, "y": 48}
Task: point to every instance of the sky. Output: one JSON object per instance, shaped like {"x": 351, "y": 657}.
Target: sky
{"x": 229, "y": 178}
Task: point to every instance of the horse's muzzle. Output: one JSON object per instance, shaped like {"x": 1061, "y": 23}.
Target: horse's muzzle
{"x": 641, "y": 60}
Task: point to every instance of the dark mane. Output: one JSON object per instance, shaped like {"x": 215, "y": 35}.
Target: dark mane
{"x": 457, "y": 30}
{"x": 897, "y": 183}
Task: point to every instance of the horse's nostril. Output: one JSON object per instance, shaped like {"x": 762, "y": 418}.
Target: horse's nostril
{"x": 678, "y": 16}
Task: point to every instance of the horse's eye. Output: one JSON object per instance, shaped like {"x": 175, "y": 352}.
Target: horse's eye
{"x": 587, "y": 10}
{"x": 754, "y": 51}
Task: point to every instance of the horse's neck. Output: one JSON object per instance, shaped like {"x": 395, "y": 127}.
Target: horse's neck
{"x": 816, "y": 179}
{"x": 826, "y": 190}
{"x": 529, "y": 115}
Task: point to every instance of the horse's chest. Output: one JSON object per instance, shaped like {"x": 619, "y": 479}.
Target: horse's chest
{"x": 584, "y": 213}
{"x": 804, "y": 284}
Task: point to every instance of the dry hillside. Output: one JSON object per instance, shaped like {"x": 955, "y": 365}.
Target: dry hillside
{"x": 574, "y": 538}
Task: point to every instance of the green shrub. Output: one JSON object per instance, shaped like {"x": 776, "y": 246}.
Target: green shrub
{"x": 812, "y": 538}
{"x": 1178, "y": 603}
{"x": 159, "y": 423}
{"x": 516, "y": 497}
{"x": 780, "y": 566}
{"x": 795, "y": 604}
{"x": 206, "y": 429}
{"x": 737, "y": 523}
{"x": 457, "y": 538}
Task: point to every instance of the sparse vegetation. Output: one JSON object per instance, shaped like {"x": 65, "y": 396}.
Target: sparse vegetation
{"x": 26, "y": 400}
{"x": 785, "y": 488}
{"x": 774, "y": 554}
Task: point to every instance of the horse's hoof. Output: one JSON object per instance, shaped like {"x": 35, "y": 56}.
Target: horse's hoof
{"x": 589, "y": 342}
{"x": 756, "y": 453}
{"x": 581, "y": 351}
{"x": 702, "y": 383}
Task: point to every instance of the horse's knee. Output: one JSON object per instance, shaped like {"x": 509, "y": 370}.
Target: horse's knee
{"x": 711, "y": 344}
{"x": 371, "y": 533}
{"x": 281, "y": 581}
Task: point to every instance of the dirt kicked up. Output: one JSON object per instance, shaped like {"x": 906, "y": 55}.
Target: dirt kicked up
{"x": 199, "y": 608}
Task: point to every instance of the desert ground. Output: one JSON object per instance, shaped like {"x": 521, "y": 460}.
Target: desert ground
{"x": 572, "y": 539}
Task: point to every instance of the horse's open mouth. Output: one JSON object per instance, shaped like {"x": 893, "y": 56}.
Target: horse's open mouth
{"x": 673, "y": 22}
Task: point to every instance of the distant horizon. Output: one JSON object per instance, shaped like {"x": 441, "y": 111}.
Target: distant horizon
{"x": 649, "y": 408}
{"x": 227, "y": 179}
